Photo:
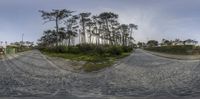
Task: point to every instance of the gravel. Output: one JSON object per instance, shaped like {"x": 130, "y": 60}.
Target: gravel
{"x": 140, "y": 75}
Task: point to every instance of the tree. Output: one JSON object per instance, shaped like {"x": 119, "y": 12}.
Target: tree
{"x": 125, "y": 34}
{"x": 90, "y": 31}
{"x": 166, "y": 42}
{"x": 107, "y": 18}
{"x": 84, "y": 18}
{"x": 152, "y": 43}
{"x": 100, "y": 29}
{"x": 132, "y": 27}
{"x": 72, "y": 28}
{"x": 48, "y": 39}
{"x": 57, "y": 16}
{"x": 177, "y": 41}
{"x": 190, "y": 42}
{"x": 96, "y": 30}
{"x": 141, "y": 44}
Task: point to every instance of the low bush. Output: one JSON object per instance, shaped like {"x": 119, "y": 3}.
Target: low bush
{"x": 178, "y": 49}
{"x": 115, "y": 50}
{"x": 86, "y": 48}
{"x": 90, "y": 49}
{"x": 73, "y": 50}
{"x": 127, "y": 48}
{"x": 100, "y": 50}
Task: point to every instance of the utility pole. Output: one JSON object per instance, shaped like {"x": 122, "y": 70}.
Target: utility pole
{"x": 22, "y": 37}
{"x": 22, "y": 41}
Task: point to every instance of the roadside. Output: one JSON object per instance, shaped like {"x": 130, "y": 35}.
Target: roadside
{"x": 172, "y": 56}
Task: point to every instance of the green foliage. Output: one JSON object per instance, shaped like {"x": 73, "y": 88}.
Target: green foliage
{"x": 115, "y": 50}
{"x": 86, "y": 48}
{"x": 97, "y": 57}
{"x": 127, "y": 48}
{"x": 89, "y": 67}
{"x": 59, "y": 49}
{"x": 177, "y": 49}
{"x": 101, "y": 50}
{"x": 73, "y": 50}
{"x": 103, "y": 27}
{"x": 152, "y": 43}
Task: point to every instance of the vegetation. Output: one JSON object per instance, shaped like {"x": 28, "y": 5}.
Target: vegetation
{"x": 185, "y": 47}
{"x": 99, "y": 29}
{"x": 96, "y": 57}
{"x": 152, "y": 43}
{"x": 102, "y": 39}
{"x": 177, "y": 49}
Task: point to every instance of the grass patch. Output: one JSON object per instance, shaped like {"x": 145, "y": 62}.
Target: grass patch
{"x": 93, "y": 62}
{"x": 91, "y": 66}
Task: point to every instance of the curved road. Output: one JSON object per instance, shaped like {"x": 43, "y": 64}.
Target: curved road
{"x": 139, "y": 76}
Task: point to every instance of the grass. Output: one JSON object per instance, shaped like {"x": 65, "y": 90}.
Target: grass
{"x": 95, "y": 66}
{"x": 93, "y": 62}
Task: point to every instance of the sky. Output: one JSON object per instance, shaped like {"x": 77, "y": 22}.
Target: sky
{"x": 156, "y": 19}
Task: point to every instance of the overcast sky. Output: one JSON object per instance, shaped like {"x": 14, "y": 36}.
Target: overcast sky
{"x": 156, "y": 19}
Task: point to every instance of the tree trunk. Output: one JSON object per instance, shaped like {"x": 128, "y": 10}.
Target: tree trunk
{"x": 83, "y": 34}
{"x": 109, "y": 34}
{"x": 57, "y": 35}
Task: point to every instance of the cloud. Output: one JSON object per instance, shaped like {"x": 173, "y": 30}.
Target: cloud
{"x": 156, "y": 19}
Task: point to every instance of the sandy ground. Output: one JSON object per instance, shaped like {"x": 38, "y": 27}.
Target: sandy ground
{"x": 139, "y": 76}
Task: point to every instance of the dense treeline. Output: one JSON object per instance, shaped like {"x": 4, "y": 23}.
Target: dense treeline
{"x": 86, "y": 33}
{"x": 98, "y": 30}
{"x": 165, "y": 42}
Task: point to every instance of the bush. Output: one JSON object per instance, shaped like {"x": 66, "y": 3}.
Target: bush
{"x": 100, "y": 50}
{"x": 127, "y": 48}
{"x": 60, "y": 49}
{"x": 86, "y": 48}
{"x": 56, "y": 49}
{"x": 115, "y": 50}
{"x": 178, "y": 49}
{"x": 90, "y": 49}
{"x": 73, "y": 50}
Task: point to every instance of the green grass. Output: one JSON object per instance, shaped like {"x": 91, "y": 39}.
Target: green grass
{"x": 91, "y": 66}
{"x": 93, "y": 62}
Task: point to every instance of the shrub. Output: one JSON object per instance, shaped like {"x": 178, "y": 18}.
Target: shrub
{"x": 127, "y": 48}
{"x": 56, "y": 49}
{"x": 73, "y": 50}
{"x": 115, "y": 50}
{"x": 85, "y": 48}
{"x": 90, "y": 49}
{"x": 177, "y": 49}
{"x": 60, "y": 49}
{"x": 100, "y": 50}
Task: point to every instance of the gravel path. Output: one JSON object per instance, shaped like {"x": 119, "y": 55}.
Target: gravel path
{"x": 139, "y": 76}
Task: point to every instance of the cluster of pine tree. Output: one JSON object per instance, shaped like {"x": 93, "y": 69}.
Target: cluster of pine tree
{"x": 98, "y": 30}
